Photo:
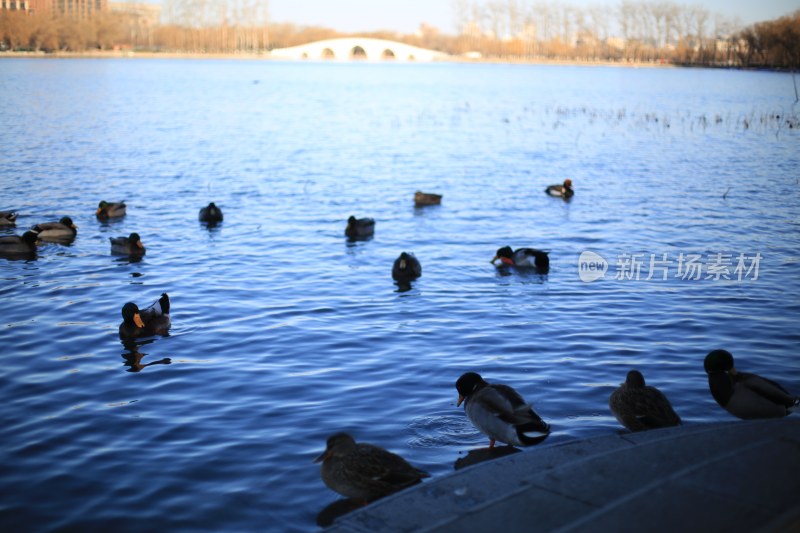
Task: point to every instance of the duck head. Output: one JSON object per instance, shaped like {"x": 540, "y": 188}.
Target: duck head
{"x": 719, "y": 361}
{"x": 31, "y": 237}
{"x": 505, "y": 255}
{"x": 102, "y": 206}
{"x": 568, "y": 184}
{"x": 338, "y": 445}
{"x": 130, "y": 313}
{"x": 136, "y": 240}
{"x": 634, "y": 380}
{"x": 67, "y": 222}
{"x": 467, "y": 384}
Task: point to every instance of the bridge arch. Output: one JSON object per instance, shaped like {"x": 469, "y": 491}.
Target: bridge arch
{"x": 358, "y": 48}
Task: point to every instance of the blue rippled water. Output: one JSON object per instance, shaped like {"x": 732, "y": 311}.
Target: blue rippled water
{"x": 284, "y": 333}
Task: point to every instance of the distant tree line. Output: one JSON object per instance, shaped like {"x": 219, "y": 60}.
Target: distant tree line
{"x": 524, "y": 30}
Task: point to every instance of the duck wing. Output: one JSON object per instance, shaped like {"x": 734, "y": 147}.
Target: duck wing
{"x": 766, "y": 388}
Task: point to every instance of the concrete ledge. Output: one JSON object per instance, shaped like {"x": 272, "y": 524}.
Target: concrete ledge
{"x": 733, "y": 476}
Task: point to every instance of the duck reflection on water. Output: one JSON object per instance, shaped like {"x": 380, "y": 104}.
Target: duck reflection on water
{"x": 133, "y": 357}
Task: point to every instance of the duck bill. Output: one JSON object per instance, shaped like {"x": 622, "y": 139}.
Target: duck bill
{"x": 99, "y": 210}
{"x": 140, "y": 245}
{"x": 460, "y": 400}
{"x": 495, "y": 258}
{"x": 402, "y": 263}
{"x": 324, "y": 455}
{"x": 138, "y": 321}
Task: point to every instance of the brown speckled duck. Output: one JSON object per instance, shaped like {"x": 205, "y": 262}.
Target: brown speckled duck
{"x": 639, "y": 407}
{"x": 364, "y": 472}
{"x": 426, "y": 198}
{"x": 153, "y": 320}
{"x": 746, "y": 395}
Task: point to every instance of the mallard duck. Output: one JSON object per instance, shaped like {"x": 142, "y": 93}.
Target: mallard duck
{"x": 563, "y": 191}
{"x": 639, "y": 407}
{"x": 359, "y": 227}
{"x": 8, "y": 218}
{"x": 406, "y": 268}
{"x": 131, "y": 245}
{"x": 63, "y": 230}
{"x": 746, "y": 395}
{"x": 499, "y": 412}
{"x": 11, "y": 245}
{"x": 153, "y": 320}
{"x": 106, "y": 210}
{"x": 426, "y": 198}
{"x": 210, "y": 214}
{"x": 523, "y": 257}
{"x": 364, "y": 472}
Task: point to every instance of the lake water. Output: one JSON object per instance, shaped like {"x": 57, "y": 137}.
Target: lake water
{"x": 284, "y": 333}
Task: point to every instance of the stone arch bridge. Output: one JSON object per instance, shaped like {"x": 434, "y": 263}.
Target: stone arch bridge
{"x": 355, "y": 48}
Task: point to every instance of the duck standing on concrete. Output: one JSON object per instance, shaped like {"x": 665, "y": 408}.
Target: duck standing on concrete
{"x": 15, "y": 245}
{"x": 499, "y": 412}
{"x": 639, "y": 407}
{"x": 131, "y": 245}
{"x": 62, "y": 231}
{"x": 406, "y": 268}
{"x": 211, "y": 214}
{"x": 523, "y": 257}
{"x": 563, "y": 191}
{"x": 153, "y": 320}
{"x": 359, "y": 228}
{"x": 106, "y": 210}
{"x": 364, "y": 472}
{"x": 746, "y": 395}
{"x": 8, "y": 219}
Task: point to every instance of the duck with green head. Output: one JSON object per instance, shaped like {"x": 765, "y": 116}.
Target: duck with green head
{"x": 746, "y": 395}
{"x": 364, "y": 472}
{"x": 131, "y": 245}
{"x": 62, "y": 231}
{"x": 500, "y": 412}
{"x": 359, "y": 228}
{"x": 16, "y": 245}
{"x": 152, "y": 320}
{"x": 106, "y": 210}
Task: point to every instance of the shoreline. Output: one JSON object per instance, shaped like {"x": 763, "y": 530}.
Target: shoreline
{"x": 129, "y": 54}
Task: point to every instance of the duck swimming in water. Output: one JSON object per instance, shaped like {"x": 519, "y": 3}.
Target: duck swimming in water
{"x": 153, "y": 320}
{"x": 106, "y": 210}
{"x": 523, "y": 257}
{"x": 562, "y": 191}
{"x": 15, "y": 245}
{"x": 426, "y": 198}
{"x": 131, "y": 245}
{"x": 8, "y": 218}
{"x": 499, "y": 412}
{"x": 406, "y": 268}
{"x": 746, "y": 395}
{"x": 62, "y": 231}
{"x": 364, "y": 472}
{"x": 639, "y": 407}
{"x": 358, "y": 228}
{"x": 211, "y": 214}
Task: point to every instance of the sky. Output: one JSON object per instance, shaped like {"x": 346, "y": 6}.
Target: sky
{"x": 405, "y": 16}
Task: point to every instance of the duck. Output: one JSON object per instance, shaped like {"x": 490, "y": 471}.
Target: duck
{"x": 106, "y": 210}
{"x": 8, "y": 218}
{"x": 210, "y": 214}
{"x": 359, "y": 227}
{"x": 364, "y": 472}
{"x": 11, "y": 245}
{"x": 131, "y": 245}
{"x": 63, "y": 230}
{"x": 426, "y": 198}
{"x": 500, "y": 412}
{"x": 562, "y": 191}
{"x": 523, "y": 257}
{"x": 406, "y": 268}
{"x": 744, "y": 395}
{"x": 153, "y": 320}
{"x": 639, "y": 407}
